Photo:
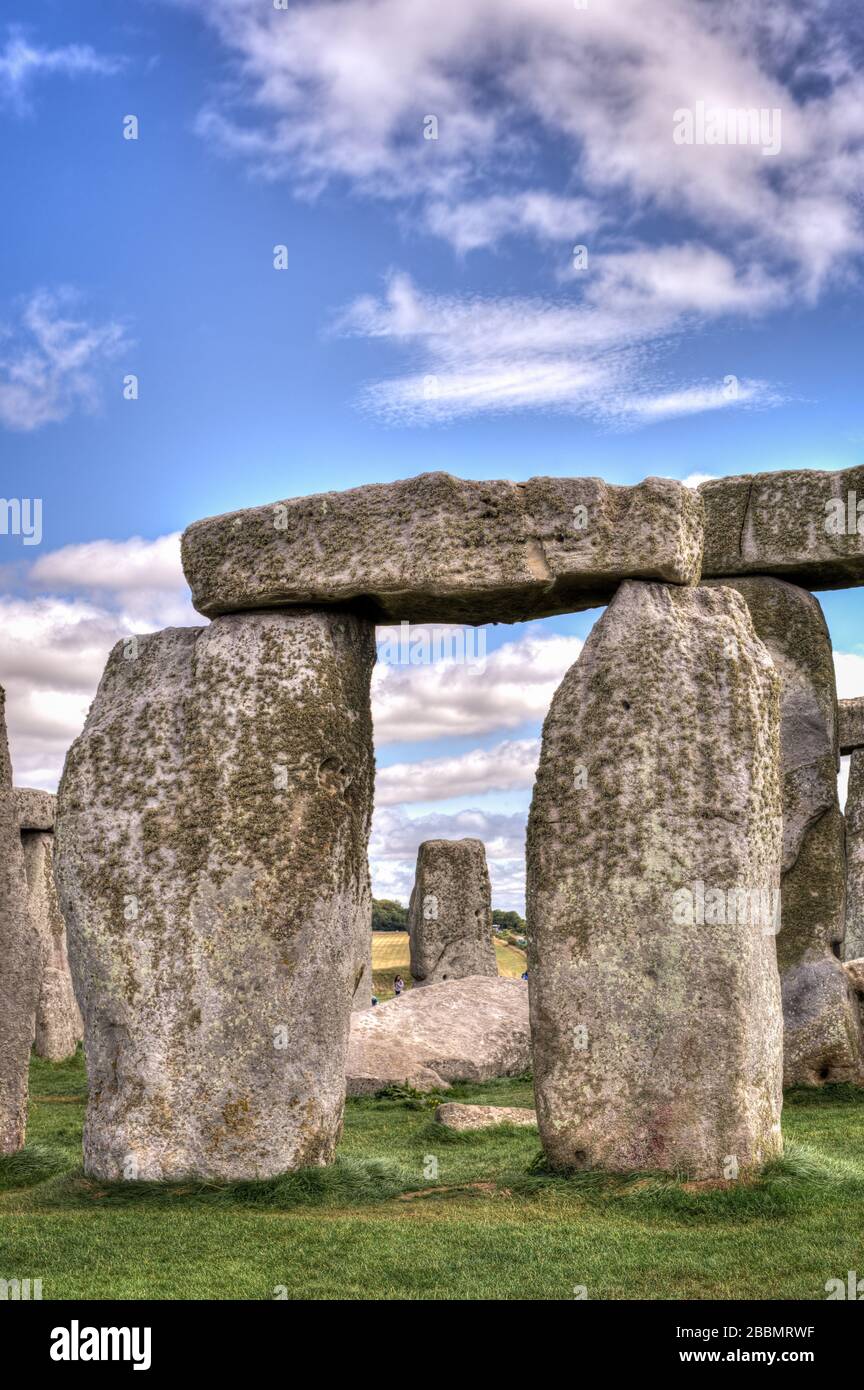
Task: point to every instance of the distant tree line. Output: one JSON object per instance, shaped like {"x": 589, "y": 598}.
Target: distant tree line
{"x": 508, "y": 921}
{"x": 388, "y": 915}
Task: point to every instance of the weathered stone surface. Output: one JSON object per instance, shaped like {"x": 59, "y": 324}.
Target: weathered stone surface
{"x": 59, "y": 1027}
{"x": 855, "y": 970}
{"x": 822, "y": 1031}
{"x": 463, "y": 1030}
{"x": 821, "y": 1022}
{"x": 20, "y": 963}
{"x": 851, "y": 724}
{"x": 362, "y": 998}
{"x": 654, "y": 847}
{"x": 35, "y": 808}
{"x": 467, "y": 1117}
{"x": 443, "y": 549}
{"x": 789, "y": 525}
{"x": 450, "y": 913}
{"x": 211, "y": 862}
{"x": 854, "y": 943}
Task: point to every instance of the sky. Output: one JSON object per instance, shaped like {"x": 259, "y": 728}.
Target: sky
{"x": 253, "y": 250}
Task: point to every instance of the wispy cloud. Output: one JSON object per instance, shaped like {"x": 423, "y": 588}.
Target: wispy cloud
{"x": 22, "y": 62}
{"x": 51, "y": 360}
{"x": 477, "y": 222}
{"x": 591, "y": 353}
{"x": 506, "y": 767}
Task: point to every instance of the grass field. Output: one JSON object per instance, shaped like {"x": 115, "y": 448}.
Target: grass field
{"x": 491, "y": 1224}
{"x": 391, "y": 956}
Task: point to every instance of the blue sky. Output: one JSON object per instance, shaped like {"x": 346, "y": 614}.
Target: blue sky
{"x": 409, "y": 260}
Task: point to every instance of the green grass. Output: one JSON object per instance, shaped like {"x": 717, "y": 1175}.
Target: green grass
{"x": 379, "y": 1224}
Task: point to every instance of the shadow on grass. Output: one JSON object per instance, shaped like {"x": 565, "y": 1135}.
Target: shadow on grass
{"x": 839, "y": 1093}
{"x": 798, "y": 1180}
{"x": 347, "y": 1181}
{"x": 33, "y": 1164}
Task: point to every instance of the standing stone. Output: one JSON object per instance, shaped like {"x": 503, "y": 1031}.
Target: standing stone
{"x": 855, "y": 858}
{"x": 822, "y": 1035}
{"x": 212, "y": 827}
{"x": 654, "y": 843}
{"x": 20, "y": 963}
{"x": 59, "y": 1027}
{"x": 450, "y": 913}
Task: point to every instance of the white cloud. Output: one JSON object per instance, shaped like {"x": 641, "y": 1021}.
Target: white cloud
{"x": 50, "y": 363}
{"x": 849, "y": 670}
{"x": 340, "y": 89}
{"x": 508, "y": 765}
{"x": 22, "y": 62}
{"x": 590, "y": 354}
{"x": 414, "y": 703}
{"x": 480, "y": 222}
{"x": 52, "y": 654}
{"x": 843, "y": 781}
{"x": 694, "y": 400}
{"x": 53, "y": 647}
{"x": 142, "y": 580}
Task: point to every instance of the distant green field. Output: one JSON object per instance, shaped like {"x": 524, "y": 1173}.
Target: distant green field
{"x": 391, "y": 956}
{"x": 410, "y": 1211}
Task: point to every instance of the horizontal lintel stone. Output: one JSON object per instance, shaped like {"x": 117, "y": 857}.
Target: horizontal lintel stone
{"x": 441, "y": 549}
{"x": 804, "y": 525}
{"x": 35, "y": 808}
{"x": 851, "y": 724}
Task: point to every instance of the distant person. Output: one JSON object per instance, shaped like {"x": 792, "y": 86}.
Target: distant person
{"x": 524, "y": 974}
{"x": 374, "y": 1000}
{"x": 398, "y": 985}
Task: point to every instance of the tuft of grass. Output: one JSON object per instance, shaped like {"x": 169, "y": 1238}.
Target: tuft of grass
{"x": 412, "y": 1099}
{"x": 442, "y": 1134}
{"x": 838, "y": 1093}
{"x": 33, "y": 1164}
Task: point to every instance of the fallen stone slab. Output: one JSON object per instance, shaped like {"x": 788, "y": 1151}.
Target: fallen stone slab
{"x": 35, "y": 808}
{"x": 463, "y": 1030}
{"x": 806, "y": 526}
{"x": 851, "y": 724}
{"x": 468, "y": 1117}
{"x": 821, "y": 1036}
{"x": 20, "y": 963}
{"x": 212, "y": 826}
{"x": 443, "y": 549}
{"x": 450, "y": 913}
{"x": 653, "y": 875}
